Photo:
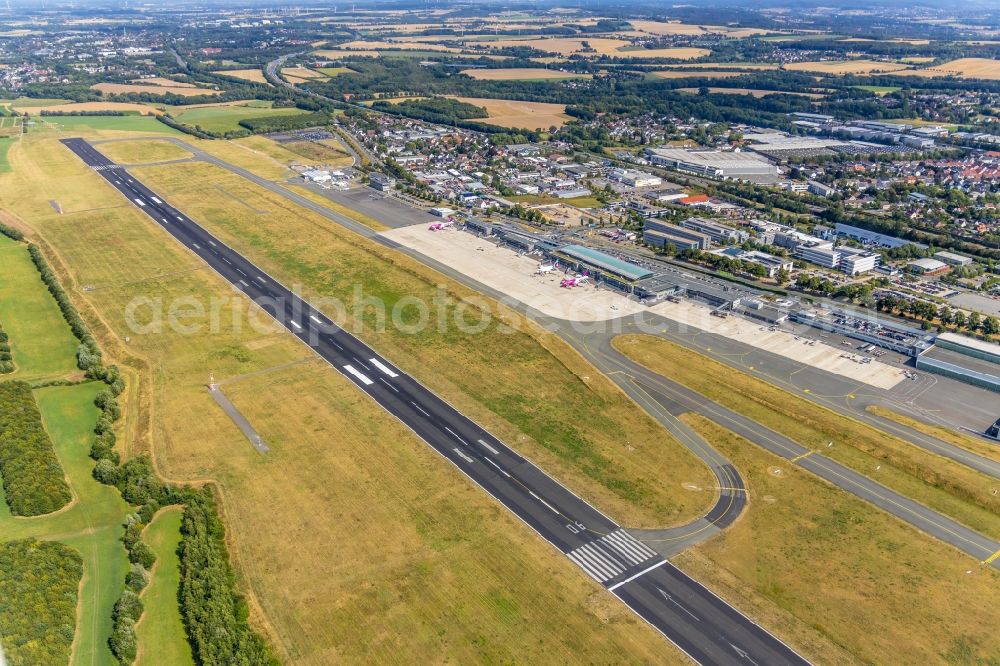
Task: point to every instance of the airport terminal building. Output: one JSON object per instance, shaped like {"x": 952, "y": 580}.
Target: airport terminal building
{"x": 965, "y": 359}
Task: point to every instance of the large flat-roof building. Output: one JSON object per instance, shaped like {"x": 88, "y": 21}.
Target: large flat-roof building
{"x": 603, "y": 266}
{"x": 873, "y": 237}
{"x": 716, "y": 164}
{"x": 691, "y": 238}
{"x": 968, "y": 360}
{"x": 719, "y": 233}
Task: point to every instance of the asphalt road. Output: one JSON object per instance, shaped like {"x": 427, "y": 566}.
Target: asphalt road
{"x": 707, "y": 629}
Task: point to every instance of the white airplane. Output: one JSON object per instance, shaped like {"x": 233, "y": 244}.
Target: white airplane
{"x": 544, "y": 268}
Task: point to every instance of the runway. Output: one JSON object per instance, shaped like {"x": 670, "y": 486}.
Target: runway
{"x": 702, "y": 625}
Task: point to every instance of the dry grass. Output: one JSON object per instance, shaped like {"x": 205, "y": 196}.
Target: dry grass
{"x": 141, "y": 152}
{"x": 125, "y": 88}
{"x": 525, "y": 387}
{"x": 845, "y": 66}
{"x": 302, "y": 73}
{"x": 330, "y": 153}
{"x": 355, "y": 541}
{"x": 939, "y": 483}
{"x": 92, "y": 106}
{"x": 963, "y": 68}
{"x": 522, "y": 74}
{"x": 337, "y": 54}
{"x": 686, "y": 29}
{"x": 753, "y": 92}
{"x": 725, "y": 65}
{"x": 833, "y": 574}
{"x": 253, "y": 75}
{"x": 968, "y": 442}
{"x": 163, "y": 82}
{"x": 514, "y": 113}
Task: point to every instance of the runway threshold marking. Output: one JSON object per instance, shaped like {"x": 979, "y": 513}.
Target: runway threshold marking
{"x": 992, "y": 558}
{"x": 800, "y": 457}
{"x": 641, "y": 573}
{"x": 296, "y": 324}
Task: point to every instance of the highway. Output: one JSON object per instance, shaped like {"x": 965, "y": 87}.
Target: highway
{"x": 703, "y": 626}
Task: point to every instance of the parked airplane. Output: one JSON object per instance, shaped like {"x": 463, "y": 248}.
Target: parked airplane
{"x": 438, "y": 226}
{"x": 574, "y": 281}
{"x": 545, "y": 268}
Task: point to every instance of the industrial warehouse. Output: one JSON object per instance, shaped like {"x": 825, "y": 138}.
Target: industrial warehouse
{"x": 965, "y": 359}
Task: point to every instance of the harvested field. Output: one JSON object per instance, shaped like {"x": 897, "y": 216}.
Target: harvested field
{"x": 844, "y": 66}
{"x": 522, "y": 74}
{"x": 753, "y": 92}
{"x": 163, "y": 82}
{"x": 253, "y": 75}
{"x": 963, "y": 68}
{"x": 917, "y": 60}
{"x": 687, "y": 29}
{"x": 513, "y": 113}
{"x": 335, "y": 71}
{"x": 337, "y": 54}
{"x": 125, "y": 88}
{"x": 300, "y": 72}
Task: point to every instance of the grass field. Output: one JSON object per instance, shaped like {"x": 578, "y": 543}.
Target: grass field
{"x": 514, "y": 113}
{"x": 335, "y": 71}
{"x": 844, "y": 66}
{"x": 328, "y": 153}
{"x": 974, "y": 444}
{"x": 598, "y": 46}
{"x": 834, "y": 574}
{"x": 522, "y": 74}
{"x": 160, "y": 632}
{"x": 92, "y": 524}
{"x": 347, "y": 496}
{"x": 944, "y": 485}
{"x": 725, "y": 65}
{"x": 253, "y": 75}
{"x": 127, "y": 107}
{"x": 139, "y": 152}
{"x": 302, "y": 73}
{"x": 701, "y": 74}
{"x": 106, "y": 126}
{"x": 226, "y": 118}
{"x": 125, "y": 88}
{"x": 28, "y": 102}
{"x": 40, "y": 340}
{"x": 5, "y": 143}
{"x": 879, "y": 90}
{"x": 373, "y": 45}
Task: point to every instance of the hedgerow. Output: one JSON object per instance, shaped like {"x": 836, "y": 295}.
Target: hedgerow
{"x": 6, "y": 359}
{"x": 33, "y": 480}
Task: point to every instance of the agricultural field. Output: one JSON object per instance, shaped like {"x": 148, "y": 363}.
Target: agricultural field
{"x": 753, "y": 92}
{"x": 163, "y": 82}
{"x": 141, "y": 152}
{"x": 364, "y": 45}
{"x": 700, "y": 74}
{"x": 335, "y": 71}
{"x": 226, "y": 118}
{"x": 963, "y": 68}
{"x": 125, "y": 88}
{"x": 299, "y": 72}
{"x": 875, "y": 588}
{"x": 160, "y": 631}
{"x": 879, "y": 90}
{"x": 598, "y": 46}
{"x": 328, "y": 152}
{"x": 313, "y": 608}
{"x": 512, "y": 113}
{"x": 834, "y": 67}
{"x": 686, "y": 29}
{"x": 522, "y": 74}
{"x": 946, "y": 486}
{"x": 5, "y": 144}
{"x": 252, "y": 75}
{"x": 725, "y": 65}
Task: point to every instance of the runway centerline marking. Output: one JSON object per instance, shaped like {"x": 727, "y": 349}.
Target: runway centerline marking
{"x": 488, "y": 447}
